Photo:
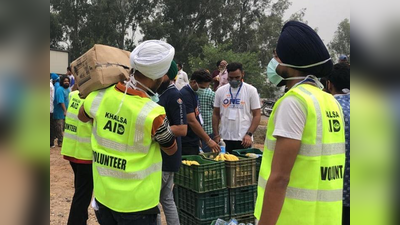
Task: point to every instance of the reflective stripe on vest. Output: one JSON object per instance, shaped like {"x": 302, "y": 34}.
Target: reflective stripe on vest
{"x": 138, "y": 175}
{"x": 148, "y": 107}
{"x": 312, "y": 197}
{"x": 77, "y": 134}
{"x": 77, "y": 138}
{"x": 127, "y": 164}
{"x": 312, "y": 150}
{"x": 307, "y": 194}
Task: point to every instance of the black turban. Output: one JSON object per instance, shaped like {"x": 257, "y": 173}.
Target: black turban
{"x": 300, "y": 45}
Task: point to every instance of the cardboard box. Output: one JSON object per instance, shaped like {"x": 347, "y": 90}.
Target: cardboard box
{"x": 100, "y": 67}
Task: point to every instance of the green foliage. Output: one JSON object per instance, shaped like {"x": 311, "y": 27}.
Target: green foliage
{"x": 89, "y": 22}
{"x": 254, "y": 74}
{"x": 341, "y": 41}
{"x": 56, "y": 32}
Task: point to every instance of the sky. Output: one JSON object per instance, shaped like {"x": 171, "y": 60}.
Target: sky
{"x": 324, "y": 14}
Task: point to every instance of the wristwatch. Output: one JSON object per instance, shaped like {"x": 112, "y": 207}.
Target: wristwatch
{"x": 249, "y": 133}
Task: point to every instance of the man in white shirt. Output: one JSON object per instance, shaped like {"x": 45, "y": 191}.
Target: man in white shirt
{"x": 71, "y": 78}
{"x": 236, "y": 114}
{"x": 181, "y": 79}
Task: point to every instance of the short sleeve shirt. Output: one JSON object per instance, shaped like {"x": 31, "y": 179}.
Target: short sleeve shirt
{"x": 344, "y": 101}
{"x": 190, "y": 100}
{"x": 62, "y": 96}
{"x": 234, "y": 125}
{"x": 175, "y": 110}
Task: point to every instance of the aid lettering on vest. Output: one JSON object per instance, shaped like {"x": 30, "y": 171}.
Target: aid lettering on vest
{"x": 116, "y": 125}
{"x": 332, "y": 172}
{"x": 334, "y": 124}
{"x": 109, "y": 161}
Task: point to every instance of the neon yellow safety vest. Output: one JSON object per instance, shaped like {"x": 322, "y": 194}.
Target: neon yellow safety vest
{"x": 77, "y": 134}
{"x": 126, "y": 161}
{"x": 314, "y": 192}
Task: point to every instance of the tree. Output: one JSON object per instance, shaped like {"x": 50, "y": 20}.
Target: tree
{"x": 182, "y": 25}
{"x": 253, "y": 72}
{"x": 56, "y": 32}
{"x": 341, "y": 41}
{"x": 72, "y": 15}
{"x": 89, "y": 22}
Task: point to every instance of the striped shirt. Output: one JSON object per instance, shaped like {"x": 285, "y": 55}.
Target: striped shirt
{"x": 206, "y": 109}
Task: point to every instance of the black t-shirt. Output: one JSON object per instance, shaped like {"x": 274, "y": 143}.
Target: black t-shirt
{"x": 172, "y": 102}
{"x": 191, "y": 102}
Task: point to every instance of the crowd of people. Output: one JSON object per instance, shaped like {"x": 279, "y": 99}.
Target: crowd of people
{"x": 125, "y": 142}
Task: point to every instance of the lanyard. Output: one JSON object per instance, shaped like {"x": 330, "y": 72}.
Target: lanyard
{"x": 237, "y": 93}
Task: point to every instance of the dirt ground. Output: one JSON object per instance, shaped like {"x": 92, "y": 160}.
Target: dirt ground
{"x": 61, "y": 182}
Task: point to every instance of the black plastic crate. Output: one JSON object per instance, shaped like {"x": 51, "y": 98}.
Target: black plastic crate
{"x": 208, "y": 176}
{"x": 243, "y": 152}
{"x": 238, "y": 173}
{"x": 187, "y": 219}
{"x": 242, "y": 200}
{"x": 202, "y": 206}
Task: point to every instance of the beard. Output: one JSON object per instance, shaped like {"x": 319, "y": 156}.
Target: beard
{"x": 163, "y": 87}
{"x": 65, "y": 86}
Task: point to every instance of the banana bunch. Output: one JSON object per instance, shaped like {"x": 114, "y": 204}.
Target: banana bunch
{"x": 190, "y": 162}
{"x": 226, "y": 157}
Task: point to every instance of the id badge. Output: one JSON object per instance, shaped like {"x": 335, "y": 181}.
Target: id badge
{"x": 232, "y": 113}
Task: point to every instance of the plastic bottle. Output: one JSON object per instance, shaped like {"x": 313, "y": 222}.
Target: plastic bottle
{"x": 201, "y": 150}
{"x": 222, "y": 145}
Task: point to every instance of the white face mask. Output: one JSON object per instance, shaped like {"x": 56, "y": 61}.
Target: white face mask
{"x": 132, "y": 84}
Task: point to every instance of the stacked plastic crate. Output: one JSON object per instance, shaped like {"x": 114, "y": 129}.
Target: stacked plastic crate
{"x": 242, "y": 188}
{"x": 200, "y": 192}
{"x": 241, "y": 180}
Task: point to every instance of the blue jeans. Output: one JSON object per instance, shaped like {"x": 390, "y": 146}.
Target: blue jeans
{"x": 205, "y": 147}
{"x": 106, "y": 216}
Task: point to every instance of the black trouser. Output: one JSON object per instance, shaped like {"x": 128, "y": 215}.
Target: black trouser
{"x": 83, "y": 183}
{"x": 106, "y": 216}
{"x": 346, "y": 216}
{"x": 190, "y": 150}
{"x": 233, "y": 145}
{"x": 52, "y": 130}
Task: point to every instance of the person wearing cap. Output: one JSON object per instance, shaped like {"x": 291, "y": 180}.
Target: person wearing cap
{"x": 171, "y": 100}
{"x": 129, "y": 129}
{"x": 301, "y": 174}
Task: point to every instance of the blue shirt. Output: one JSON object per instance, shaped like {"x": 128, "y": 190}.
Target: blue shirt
{"x": 171, "y": 100}
{"x": 61, "y": 96}
{"x": 191, "y": 102}
{"x": 344, "y": 101}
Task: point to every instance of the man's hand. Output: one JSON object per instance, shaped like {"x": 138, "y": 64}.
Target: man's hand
{"x": 65, "y": 113}
{"x": 217, "y": 138}
{"x": 247, "y": 142}
{"x": 213, "y": 146}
